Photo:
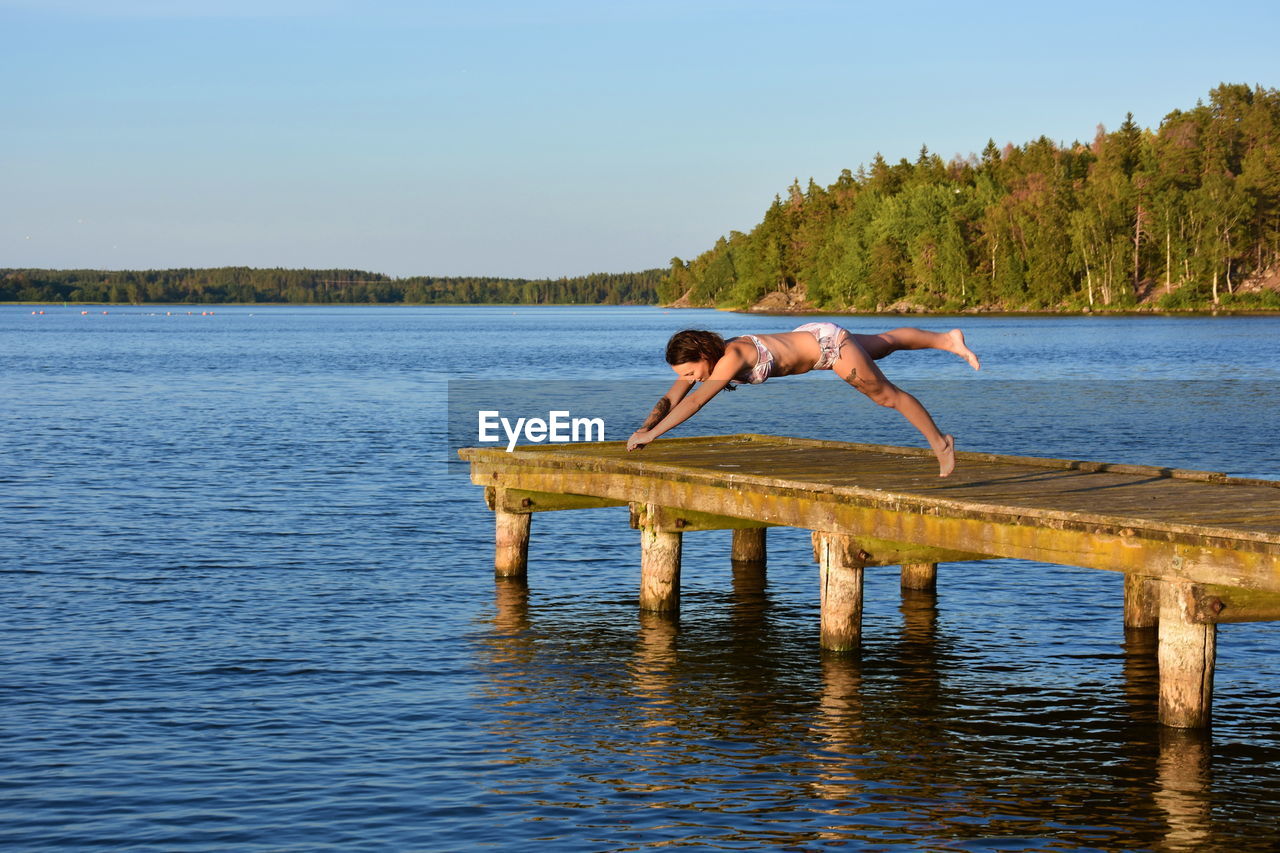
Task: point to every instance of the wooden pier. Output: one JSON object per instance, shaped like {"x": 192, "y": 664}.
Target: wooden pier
{"x": 1197, "y": 548}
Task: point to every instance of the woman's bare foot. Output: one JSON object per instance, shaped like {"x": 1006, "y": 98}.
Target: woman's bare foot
{"x": 946, "y": 456}
{"x": 956, "y": 344}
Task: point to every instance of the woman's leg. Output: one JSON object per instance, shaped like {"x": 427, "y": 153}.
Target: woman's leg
{"x": 856, "y": 367}
{"x": 887, "y": 343}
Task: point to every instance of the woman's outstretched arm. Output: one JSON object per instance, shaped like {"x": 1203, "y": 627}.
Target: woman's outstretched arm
{"x": 681, "y": 412}
{"x": 684, "y": 404}
{"x": 674, "y": 395}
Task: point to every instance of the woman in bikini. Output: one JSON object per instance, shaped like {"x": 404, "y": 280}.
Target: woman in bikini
{"x": 698, "y": 356}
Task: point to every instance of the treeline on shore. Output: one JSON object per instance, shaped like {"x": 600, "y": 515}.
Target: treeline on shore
{"x": 248, "y": 285}
{"x": 1183, "y": 217}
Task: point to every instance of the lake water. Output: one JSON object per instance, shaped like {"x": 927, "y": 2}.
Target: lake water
{"x": 248, "y": 603}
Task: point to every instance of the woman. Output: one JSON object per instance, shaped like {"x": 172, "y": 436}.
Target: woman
{"x": 699, "y": 356}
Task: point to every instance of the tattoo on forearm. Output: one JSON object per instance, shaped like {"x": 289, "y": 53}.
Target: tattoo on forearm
{"x": 659, "y": 412}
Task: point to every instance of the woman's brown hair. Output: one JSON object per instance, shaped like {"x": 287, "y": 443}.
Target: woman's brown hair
{"x": 694, "y": 345}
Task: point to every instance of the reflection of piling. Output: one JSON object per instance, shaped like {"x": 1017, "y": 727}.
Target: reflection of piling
{"x": 918, "y": 650}
{"x": 750, "y": 580}
{"x": 840, "y": 728}
{"x": 750, "y": 599}
{"x": 919, "y": 617}
{"x": 510, "y": 643}
{"x": 655, "y": 661}
{"x": 1140, "y": 671}
{"x": 840, "y": 705}
{"x": 1182, "y": 777}
{"x": 511, "y": 596}
{"x": 656, "y": 648}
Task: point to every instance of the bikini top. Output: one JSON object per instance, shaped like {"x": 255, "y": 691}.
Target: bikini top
{"x": 764, "y": 364}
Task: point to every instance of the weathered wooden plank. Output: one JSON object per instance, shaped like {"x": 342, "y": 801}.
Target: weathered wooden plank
{"x": 749, "y": 440}
{"x": 756, "y": 444}
{"x": 1098, "y": 542}
{"x": 1214, "y": 604}
{"x": 870, "y": 551}
{"x": 1061, "y": 494}
{"x": 525, "y": 501}
{"x": 687, "y": 520}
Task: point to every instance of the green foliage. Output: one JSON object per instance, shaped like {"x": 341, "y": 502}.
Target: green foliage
{"x": 1188, "y": 210}
{"x": 246, "y": 285}
{"x": 1178, "y": 216}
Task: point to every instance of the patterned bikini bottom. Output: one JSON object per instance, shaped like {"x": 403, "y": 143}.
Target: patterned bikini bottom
{"x": 829, "y": 337}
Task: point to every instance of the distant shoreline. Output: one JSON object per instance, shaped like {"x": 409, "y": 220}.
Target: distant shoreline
{"x": 206, "y": 287}
{"x": 1103, "y": 312}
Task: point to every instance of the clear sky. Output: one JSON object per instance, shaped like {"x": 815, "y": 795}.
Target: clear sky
{"x": 535, "y": 138}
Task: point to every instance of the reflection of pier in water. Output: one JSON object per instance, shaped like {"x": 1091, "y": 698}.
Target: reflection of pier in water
{"x": 1197, "y": 548}
{"x": 648, "y": 714}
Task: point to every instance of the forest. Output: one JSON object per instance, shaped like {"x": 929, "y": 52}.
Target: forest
{"x": 1185, "y": 217}
{"x": 246, "y": 285}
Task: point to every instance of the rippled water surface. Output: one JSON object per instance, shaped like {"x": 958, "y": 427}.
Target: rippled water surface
{"x": 248, "y": 603}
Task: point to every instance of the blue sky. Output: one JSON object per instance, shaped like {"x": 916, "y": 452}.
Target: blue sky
{"x": 534, "y": 138}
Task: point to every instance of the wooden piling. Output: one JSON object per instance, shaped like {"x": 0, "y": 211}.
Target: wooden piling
{"x": 511, "y": 536}
{"x": 749, "y": 545}
{"x": 1141, "y": 601}
{"x": 659, "y": 570}
{"x": 1186, "y": 657}
{"x": 841, "y": 597}
{"x": 920, "y": 576}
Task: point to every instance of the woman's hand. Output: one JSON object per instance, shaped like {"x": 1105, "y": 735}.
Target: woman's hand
{"x": 638, "y": 439}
